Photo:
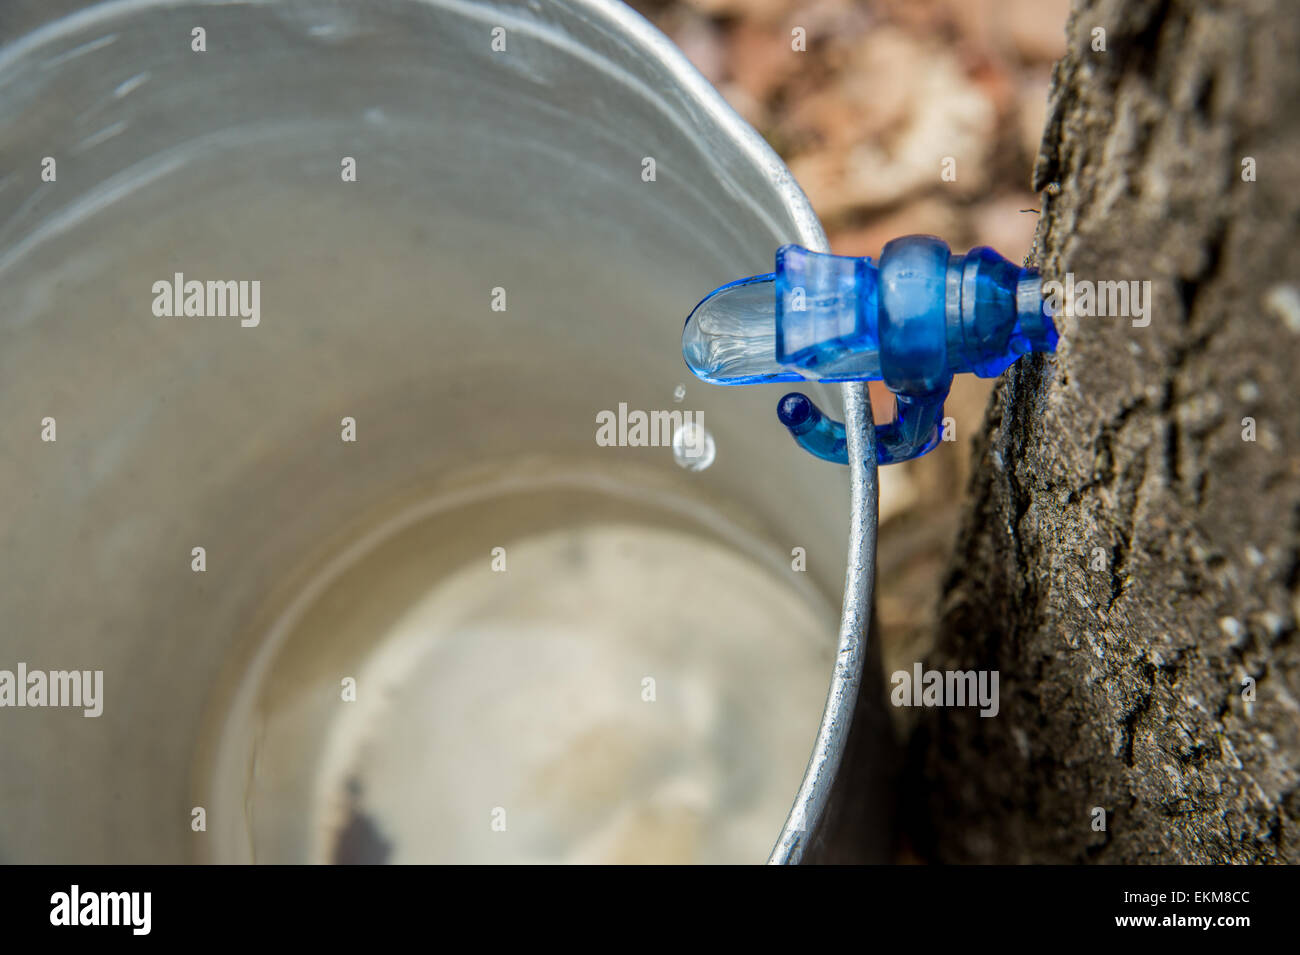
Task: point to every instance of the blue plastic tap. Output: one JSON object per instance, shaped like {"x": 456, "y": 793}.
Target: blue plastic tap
{"x": 914, "y": 320}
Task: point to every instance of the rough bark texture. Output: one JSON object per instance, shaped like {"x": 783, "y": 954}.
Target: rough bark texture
{"x": 1131, "y": 557}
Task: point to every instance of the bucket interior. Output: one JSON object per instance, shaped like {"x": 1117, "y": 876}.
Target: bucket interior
{"x": 496, "y": 581}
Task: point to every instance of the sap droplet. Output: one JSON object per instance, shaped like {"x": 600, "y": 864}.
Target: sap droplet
{"x": 693, "y": 446}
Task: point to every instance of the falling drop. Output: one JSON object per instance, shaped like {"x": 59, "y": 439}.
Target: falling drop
{"x": 693, "y": 446}
{"x": 679, "y": 394}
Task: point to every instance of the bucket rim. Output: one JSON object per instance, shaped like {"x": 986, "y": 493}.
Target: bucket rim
{"x": 810, "y": 804}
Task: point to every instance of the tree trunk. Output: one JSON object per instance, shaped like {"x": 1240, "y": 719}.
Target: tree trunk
{"x": 1130, "y": 561}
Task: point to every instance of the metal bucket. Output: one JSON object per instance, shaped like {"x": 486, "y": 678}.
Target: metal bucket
{"x": 360, "y": 577}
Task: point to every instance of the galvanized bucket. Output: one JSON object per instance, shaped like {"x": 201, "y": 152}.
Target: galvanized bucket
{"x": 476, "y": 228}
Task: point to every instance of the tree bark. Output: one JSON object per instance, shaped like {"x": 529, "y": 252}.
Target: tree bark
{"x": 1130, "y": 564}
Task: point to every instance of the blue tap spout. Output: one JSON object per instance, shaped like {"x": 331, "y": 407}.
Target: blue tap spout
{"x": 913, "y": 320}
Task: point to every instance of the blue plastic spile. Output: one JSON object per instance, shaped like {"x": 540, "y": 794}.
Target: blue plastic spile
{"x": 915, "y": 319}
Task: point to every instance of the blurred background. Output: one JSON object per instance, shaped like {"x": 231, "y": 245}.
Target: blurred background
{"x": 886, "y": 91}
